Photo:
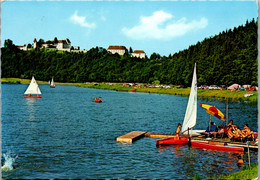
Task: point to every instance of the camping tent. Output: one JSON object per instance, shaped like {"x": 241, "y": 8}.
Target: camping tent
{"x": 233, "y": 87}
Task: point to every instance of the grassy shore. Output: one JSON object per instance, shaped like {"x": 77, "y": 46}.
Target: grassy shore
{"x": 247, "y": 172}
{"x": 216, "y": 94}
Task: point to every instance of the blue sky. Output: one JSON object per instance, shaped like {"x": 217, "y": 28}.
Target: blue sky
{"x": 163, "y": 27}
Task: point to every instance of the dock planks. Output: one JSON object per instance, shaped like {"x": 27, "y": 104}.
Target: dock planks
{"x": 130, "y": 137}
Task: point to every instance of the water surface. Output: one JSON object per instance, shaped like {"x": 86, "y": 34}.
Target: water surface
{"x": 66, "y": 135}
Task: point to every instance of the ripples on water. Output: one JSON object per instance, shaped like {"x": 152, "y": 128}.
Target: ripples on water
{"x": 66, "y": 135}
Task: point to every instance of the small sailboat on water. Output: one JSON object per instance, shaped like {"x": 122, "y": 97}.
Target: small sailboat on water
{"x": 33, "y": 89}
{"x": 190, "y": 117}
{"x": 52, "y": 85}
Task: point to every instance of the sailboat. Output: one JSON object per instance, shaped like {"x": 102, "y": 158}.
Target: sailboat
{"x": 190, "y": 117}
{"x": 52, "y": 85}
{"x": 33, "y": 88}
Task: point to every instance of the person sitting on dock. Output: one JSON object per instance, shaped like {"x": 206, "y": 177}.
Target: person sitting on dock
{"x": 212, "y": 127}
{"x": 234, "y": 132}
{"x": 178, "y": 130}
{"x": 231, "y": 124}
{"x": 247, "y": 132}
{"x": 238, "y": 133}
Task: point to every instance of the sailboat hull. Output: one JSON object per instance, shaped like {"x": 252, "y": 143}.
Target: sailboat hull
{"x": 172, "y": 141}
{"x": 32, "y": 96}
{"x": 217, "y": 147}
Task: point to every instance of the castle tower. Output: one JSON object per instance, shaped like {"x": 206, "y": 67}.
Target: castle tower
{"x": 34, "y": 43}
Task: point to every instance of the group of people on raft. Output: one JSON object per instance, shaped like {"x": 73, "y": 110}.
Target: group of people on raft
{"x": 231, "y": 130}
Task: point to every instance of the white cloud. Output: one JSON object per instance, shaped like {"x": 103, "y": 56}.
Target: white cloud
{"x": 81, "y": 20}
{"x": 161, "y": 26}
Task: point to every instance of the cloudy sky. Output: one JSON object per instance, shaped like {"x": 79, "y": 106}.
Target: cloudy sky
{"x": 163, "y": 27}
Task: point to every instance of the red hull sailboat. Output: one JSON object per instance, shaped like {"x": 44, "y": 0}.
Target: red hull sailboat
{"x": 32, "y": 89}
{"x": 172, "y": 141}
{"x": 218, "y": 147}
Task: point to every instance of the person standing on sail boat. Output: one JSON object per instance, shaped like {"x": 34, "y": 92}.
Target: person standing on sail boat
{"x": 178, "y": 130}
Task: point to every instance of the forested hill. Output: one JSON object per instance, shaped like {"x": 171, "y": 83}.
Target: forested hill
{"x": 229, "y": 57}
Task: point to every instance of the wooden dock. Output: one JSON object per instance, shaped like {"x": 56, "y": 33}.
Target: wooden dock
{"x": 135, "y": 135}
{"x": 130, "y": 137}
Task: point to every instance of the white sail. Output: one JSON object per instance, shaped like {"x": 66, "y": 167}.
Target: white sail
{"x": 191, "y": 111}
{"x": 52, "y": 83}
{"x": 33, "y": 88}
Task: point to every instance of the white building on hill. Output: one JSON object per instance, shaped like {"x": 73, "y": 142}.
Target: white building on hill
{"x": 64, "y": 45}
{"x": 138, "y": 53}
{"x": 117, "y": 49}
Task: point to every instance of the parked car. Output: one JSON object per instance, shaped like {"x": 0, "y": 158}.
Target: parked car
{"x": 223, "y": 87}
{"x": 213, "y": 87}
{"x": 180, "y": 86}
{"x": 204, "y": 87}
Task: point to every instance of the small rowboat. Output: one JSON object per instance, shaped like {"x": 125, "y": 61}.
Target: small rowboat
{"x": 98, "y": 101}
{"x": 172, "y": 141}
{"x": 215, "y": 146}
{"x": 133, "y": 90}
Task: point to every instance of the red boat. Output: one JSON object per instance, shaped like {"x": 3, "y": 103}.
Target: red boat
{"x": 172, "y": 141}
{"x": 32, "y": 96}
{"x": 133, "y": 90}
{"x": 215, "y": 146}
{"x": 98, "y": 101}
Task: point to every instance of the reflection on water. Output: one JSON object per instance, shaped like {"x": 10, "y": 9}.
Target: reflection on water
{"x": 66, "y": 135}
{"x": 30, "y": 107}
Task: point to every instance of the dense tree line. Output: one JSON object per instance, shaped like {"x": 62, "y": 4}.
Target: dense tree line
{"x": 229, "y": 57}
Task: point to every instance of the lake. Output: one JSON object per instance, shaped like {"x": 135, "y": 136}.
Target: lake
{"x": 66, "y": 135}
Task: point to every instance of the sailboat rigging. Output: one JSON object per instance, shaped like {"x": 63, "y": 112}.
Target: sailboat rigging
{"x": 190, "y": 117}
{"x": 33, "y": 89}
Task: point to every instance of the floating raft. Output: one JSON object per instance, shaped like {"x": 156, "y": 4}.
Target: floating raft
{"x": 130, "y": 137}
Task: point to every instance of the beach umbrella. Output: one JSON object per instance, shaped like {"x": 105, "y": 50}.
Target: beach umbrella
{"x": 213, "y": 111}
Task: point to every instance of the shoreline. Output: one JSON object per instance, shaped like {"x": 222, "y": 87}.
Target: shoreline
{"x": 237, "y": 96}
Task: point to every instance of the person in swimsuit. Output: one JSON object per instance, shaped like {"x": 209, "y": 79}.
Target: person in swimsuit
{"x": 178, "y": 130}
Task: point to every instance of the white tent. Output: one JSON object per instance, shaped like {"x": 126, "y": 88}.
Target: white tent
{"x": 233, "y": 86}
